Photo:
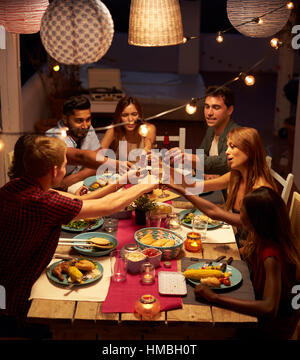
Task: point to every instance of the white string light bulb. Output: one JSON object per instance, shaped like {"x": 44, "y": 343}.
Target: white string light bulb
{"x": 1, "y": 144}
{"x": 143, "y": 130}
{"x": 56, "y": 68}
{"x": 219, "y": 38}
{"x": 290, "y": 5}
{"x": 275, "y": 43}
{"x": 249, "y": 80}
{"x": 190, "y": 109}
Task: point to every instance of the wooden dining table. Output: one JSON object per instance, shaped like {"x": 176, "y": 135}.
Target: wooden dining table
{"x": 84, "y": 320}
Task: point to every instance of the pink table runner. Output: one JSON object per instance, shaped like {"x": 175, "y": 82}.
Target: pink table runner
{"x": 121, "y": 297}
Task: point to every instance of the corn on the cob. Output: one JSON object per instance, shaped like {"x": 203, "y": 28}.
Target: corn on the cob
{"x": 75, "y": 274}
{"x": 197, "y": 274}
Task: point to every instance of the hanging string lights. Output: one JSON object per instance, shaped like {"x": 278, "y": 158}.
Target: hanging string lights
{"x": 191, "y": 107}
{"x": 270, "y": 15}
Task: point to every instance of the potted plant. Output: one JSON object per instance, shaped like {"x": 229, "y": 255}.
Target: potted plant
{"x": 141, "y": 206}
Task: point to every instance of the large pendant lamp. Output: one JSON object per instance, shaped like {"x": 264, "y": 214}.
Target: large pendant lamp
{"x": 242, "y": 11}
{"x": 22, "y": 16}
{"x": 155, "y": 23}
{"x": 76, "y": 32}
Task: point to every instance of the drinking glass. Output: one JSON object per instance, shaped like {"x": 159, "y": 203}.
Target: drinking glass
{"x": 200, "y": 225}
{"x": 172, "y": 221}
{"x": 118, "y": 266}
{"x": 110, "y": 224}
{"x": 153, "y": 220}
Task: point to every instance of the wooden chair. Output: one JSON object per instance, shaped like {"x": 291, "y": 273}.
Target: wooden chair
{"x": 286, "y": 183}
{"x": 180, "y": 138}
{"x": 295, "y": 215}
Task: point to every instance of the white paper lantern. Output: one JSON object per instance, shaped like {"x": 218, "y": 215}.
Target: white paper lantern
{"x": 155, "y": 23}
{"x": 22, "y": 16}
{"x": 241, "y": 11}
{"x": 76, "y": 32}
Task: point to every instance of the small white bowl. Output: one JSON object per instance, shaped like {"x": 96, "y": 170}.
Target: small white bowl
{"x": 135, "y": 261}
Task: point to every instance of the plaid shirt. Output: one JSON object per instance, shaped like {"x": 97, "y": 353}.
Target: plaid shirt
{"x": 30, "y": 225}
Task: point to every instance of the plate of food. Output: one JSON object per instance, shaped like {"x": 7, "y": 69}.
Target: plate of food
{"x": 212, "y": 276}
{"x": 76, "y": 272}
{"x": 186, "y": 218}
{"x": 97, "y": 182}
{"x": 84, "y": 224}
{"x": 107, "y": 243}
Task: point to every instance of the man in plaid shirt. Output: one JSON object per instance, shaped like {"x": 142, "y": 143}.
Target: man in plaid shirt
{"x": 32, "y": 216}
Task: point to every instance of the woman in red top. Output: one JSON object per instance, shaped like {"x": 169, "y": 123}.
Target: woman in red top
{"x": 274, "y": 258}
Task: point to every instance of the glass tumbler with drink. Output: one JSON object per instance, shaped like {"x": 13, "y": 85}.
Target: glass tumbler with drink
{"x": 200, "y": 225}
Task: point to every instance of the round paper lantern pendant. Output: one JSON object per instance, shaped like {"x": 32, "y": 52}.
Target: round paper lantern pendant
{"x": 76, "y": 32}
{"x": 22, "y": 16}
{"x": 242, "y": 11}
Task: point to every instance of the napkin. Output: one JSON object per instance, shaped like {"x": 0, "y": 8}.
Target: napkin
{"x": 221, "y": 235}
{"x": 97, "y": 291}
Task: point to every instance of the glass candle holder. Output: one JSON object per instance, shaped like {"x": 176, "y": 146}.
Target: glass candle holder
{"x": 147, "y": 273}
{"x": 193, "y": 242}
{"x": 147, "y": 306}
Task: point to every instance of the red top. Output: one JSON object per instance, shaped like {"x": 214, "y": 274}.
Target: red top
{"x": 288, "y": 277}
{"x": 287, "y": 317}
{"x": 30, "y": 225}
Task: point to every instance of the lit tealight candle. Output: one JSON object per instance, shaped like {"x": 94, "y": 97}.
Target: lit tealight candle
{"x": 147, "y": 273}
{"x": 193, "y": 242}
{"x": 147, "y": 278}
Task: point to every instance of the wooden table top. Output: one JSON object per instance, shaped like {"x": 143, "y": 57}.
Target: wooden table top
{"x": 88, "y": 314}
{"x": 84, "y": 319}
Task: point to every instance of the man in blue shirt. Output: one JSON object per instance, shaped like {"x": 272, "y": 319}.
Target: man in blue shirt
{"x": 80, "y": 134}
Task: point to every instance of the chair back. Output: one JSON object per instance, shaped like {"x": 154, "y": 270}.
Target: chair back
{"x": 177, "y": 138}
{"x": 286, "y": 183}
{"x": 295, "y": 215}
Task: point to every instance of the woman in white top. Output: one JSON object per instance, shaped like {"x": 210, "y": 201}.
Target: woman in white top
{"x": 128, "y": 110}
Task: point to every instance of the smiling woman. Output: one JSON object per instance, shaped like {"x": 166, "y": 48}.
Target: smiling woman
{"x": 248, "y": 171}
{"x": 128, "y": 110}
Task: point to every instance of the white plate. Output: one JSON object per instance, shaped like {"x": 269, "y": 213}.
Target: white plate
{"x": 171, "y": 283}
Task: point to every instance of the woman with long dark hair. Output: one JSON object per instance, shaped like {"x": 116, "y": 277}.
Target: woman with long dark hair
{"x": 274, "y": 258}
{"x": 128, "y": 110}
